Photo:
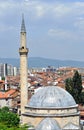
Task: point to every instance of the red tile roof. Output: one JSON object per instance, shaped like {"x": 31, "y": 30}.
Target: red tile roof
{"x": 8, "y": 94}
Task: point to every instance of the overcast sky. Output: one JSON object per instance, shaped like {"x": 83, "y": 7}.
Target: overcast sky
{"x": 55, "y": 28}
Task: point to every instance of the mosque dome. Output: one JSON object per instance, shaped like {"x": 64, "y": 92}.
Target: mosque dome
{"x": 48, "y": 124}
{"x": 51, "y": 97}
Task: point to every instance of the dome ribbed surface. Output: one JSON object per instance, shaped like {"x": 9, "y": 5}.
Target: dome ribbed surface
{"x": 48, "y": 124}
{"x": 51, "y": 96}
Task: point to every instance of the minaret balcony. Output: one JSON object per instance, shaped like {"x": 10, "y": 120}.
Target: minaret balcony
{"x": 23, "y": 51}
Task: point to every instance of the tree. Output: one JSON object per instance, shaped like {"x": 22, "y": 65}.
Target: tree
{"x": 77, "y": 87}
{"x": 5, "y": 109}
{"x": 82, "y": 98}
{"x": 77, "y": 82}
{"x": 4, "y": 127}
{"x": 8, "y": 118}
{"x": 3, "y": 78}
{"x": 69, "y": 85}
{"x": 74, "y": 87}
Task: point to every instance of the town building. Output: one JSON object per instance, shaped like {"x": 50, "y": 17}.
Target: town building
{"x": 9, "y": 98}
{"x": 8, "y": 70}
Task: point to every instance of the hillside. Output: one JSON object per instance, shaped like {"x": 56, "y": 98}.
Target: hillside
{"x": 43, "y": 62}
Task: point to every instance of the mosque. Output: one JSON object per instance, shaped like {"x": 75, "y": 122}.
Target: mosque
{"x": 50, "y": 108}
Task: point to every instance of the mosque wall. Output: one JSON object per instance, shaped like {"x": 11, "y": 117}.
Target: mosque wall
{"x": 32, "y": 120}
{"x": 69, "y": 119}
{"x": 62, "y": 121}
{"x": 51, "y": 111}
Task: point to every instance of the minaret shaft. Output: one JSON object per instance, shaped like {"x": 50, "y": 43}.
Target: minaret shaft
{"x": 23, "y": 40}
{"x": 23, "y": 51}
{"x": 23, "y": 81}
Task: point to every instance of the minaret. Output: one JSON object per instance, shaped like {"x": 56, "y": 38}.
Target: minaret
{"x": 23, "y": 51}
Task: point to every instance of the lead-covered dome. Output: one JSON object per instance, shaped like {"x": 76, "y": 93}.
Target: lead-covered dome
{"x": 51, "y": 96}
{"x": 48, "y": 124}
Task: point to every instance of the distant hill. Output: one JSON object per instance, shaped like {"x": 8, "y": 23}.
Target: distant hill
{"x": 43, "y": 62}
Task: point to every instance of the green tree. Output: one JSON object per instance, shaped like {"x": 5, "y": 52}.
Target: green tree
{"x": 68, "y": 85}
{"x": 77, "y": 82}
{"x": 74, "y": 87}
{"x": 10, "y": 121}
{"x": 4, "y": 127}
{"x": 3, "y": 78}
{"x": 8, "y": 118}
{"x": 5, "y": 109}
{"x": 77, "y": 87}
{"x": 82, "y": 98}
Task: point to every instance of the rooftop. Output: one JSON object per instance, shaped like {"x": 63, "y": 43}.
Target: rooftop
{"x": 51, "y": 96}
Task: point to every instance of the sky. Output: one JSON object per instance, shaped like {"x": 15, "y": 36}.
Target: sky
{"x": 55, "y": 28}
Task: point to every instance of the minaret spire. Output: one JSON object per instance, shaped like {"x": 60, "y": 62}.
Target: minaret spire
{"x": 23, "y": 33}
{"x": 23, "y": 29}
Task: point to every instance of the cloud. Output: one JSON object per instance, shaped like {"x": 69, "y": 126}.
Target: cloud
{"x": 66, "y": 35}
{"x": 47, "y": 21}
{"x": 4, "y": 28}
{"x": 36, "y": 9}
{"x": 39, "y": 9}
{"x": 59, "y": 33}
{"x": 59, "y": 13}
{"x": 63, "y": 14}
{"x": 80, "y": 23}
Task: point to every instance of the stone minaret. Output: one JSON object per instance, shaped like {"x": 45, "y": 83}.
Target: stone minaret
{"x": 23, "y": 51}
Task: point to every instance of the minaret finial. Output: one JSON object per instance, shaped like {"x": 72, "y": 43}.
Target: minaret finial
{"x": 23, "y": 29}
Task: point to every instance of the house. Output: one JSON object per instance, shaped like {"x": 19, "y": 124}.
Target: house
{"x": 9, "y": 98}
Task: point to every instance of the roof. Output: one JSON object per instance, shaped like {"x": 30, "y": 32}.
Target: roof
{"x": 51, "y": 96}
{"x": 7, "y": 94}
